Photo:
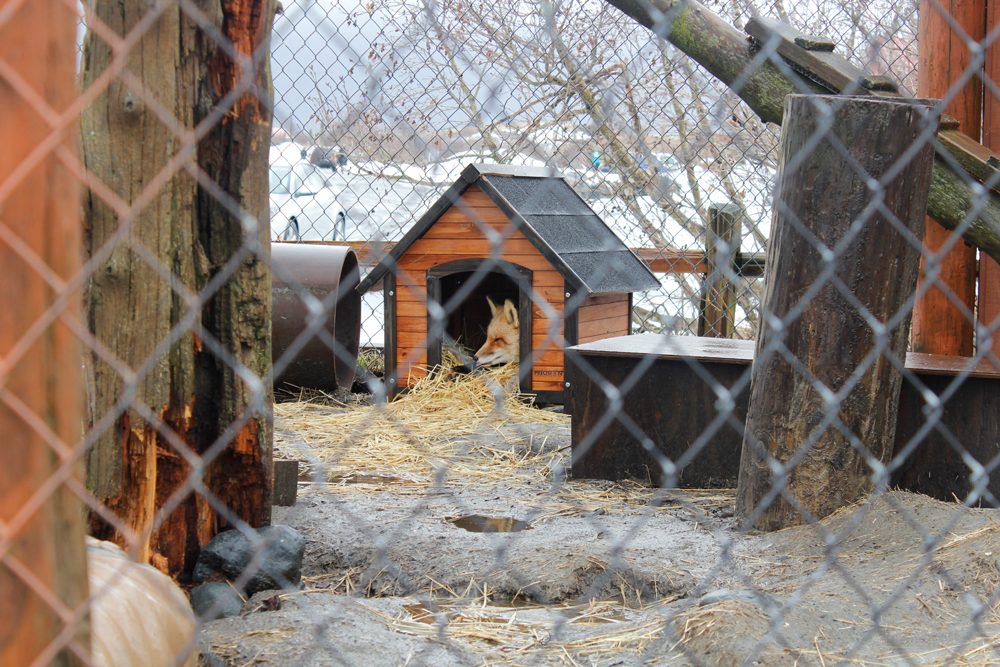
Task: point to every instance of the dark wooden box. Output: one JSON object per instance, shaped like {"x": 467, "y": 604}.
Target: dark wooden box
{"x": 670, "y": 409}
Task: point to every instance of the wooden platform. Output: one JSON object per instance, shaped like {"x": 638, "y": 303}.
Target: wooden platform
{"x": 669, "y": 404}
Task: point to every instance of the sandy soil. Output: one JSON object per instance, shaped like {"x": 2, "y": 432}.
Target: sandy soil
{"x": 608, "y": 574}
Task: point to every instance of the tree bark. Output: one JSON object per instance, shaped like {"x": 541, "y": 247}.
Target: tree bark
{"x": 41, "y": 411}
{"x": 727, "y": 54}
{"x": 821, "y": 441}
{"x": 181, "y": 289}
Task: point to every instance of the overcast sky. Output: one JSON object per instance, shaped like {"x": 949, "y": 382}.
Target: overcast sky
{"x": 334, "y": 37}
{"x": 317, "y": 33}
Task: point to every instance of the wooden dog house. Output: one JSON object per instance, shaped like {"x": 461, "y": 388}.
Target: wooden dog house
{"x": 508, "y": 233}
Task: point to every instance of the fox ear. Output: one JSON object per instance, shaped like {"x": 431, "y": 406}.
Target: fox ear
{"x": 493, "y": 307}
{"x": 511, "y": 312}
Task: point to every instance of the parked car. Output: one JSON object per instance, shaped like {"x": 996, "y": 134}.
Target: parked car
{"x": 304, "y": 206}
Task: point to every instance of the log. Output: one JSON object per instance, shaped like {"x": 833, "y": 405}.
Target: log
{"x": 43, "y": 579}
{"x": 726, "y": 53}
{"x": 189, "y": 356}
{"x": 822, "y": 199}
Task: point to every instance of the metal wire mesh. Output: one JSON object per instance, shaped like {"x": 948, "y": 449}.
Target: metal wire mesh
{"x": 581, "y": 329}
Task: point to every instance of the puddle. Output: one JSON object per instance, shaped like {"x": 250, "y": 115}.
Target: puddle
{"x": 614, "y": 616}
{"x": 419, "y": 613}
{"x": 376, "y": 480}
{"x": 489, "y": 524}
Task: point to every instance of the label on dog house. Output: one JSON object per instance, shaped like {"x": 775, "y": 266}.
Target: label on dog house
{"x": 506, "y": 234}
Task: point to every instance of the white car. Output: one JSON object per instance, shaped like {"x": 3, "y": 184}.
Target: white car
{"x": 303, "y": 204}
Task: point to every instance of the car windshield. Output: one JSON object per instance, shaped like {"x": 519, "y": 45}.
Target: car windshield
{"x": 311, "y": 181}
{"x": 278, "y": 180}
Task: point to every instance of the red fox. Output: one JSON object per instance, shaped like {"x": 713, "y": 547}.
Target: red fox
{"x": 502, "y": 336}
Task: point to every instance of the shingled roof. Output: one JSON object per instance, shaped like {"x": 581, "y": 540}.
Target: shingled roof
{"x": 562, "y": 227}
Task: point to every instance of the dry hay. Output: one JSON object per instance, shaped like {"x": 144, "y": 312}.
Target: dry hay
{"x": 421, "y": 432}
{"x": 502, "y": 635}
{"x": 721, "y": 634}
{"x": 405, "y": 443}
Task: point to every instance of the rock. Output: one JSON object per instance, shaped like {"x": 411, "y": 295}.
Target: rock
{"x": 231, "y": 553}
{"x": 216, "y": 599}
{"x": 227, "y": 554}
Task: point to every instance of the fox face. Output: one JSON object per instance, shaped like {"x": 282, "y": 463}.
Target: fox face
{"x": 502, "y": 336}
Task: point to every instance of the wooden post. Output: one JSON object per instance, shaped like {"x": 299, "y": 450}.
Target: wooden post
{"x": 286, "y": 483}
{"x": 190, "y": 395}
{"x": 939, "y": 325}
{"x": 42, "y": 557}
{"x": 718, "y": 304}
{"x": 822, "y": 199}
{"x": 989, "y": 270}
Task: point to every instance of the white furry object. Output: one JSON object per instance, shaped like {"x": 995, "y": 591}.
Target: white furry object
{"x": 139, "y": 616}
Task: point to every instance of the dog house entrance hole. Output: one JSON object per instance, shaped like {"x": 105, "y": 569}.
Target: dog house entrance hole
{"x": 461, "y": 287}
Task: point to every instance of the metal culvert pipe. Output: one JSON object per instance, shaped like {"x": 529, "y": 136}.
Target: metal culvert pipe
{"x": 330, "y": 274}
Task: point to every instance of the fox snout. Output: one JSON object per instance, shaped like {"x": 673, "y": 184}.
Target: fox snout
{"x": 502, "y": 336}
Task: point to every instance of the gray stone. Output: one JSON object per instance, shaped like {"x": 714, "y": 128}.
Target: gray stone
{"x": 216, "y": 599}
{"x": 231, "y": 553}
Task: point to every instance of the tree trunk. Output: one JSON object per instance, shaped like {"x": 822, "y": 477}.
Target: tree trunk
{"x": 42, "y": 557}
{"x": 726, "y": 53}
{"x": 822, "y": 201}
{"x": 180, "y": 296}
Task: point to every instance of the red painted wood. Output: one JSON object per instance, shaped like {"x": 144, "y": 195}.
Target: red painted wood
{"x": 989, "y": 270}
{"x": 939, "y": 325}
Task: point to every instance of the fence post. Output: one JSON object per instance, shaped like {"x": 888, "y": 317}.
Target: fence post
{"x": 43, "y": 575}
{"x": 989, "y": 270}
{"x": 718, "y": 304}
{"x": 814, "y": 435}
{"x": 939, "y": 325}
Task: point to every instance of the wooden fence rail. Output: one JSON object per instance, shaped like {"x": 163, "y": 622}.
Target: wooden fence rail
{"x": 659, "y": 260}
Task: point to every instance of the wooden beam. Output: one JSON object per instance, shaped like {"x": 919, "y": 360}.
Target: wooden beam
{"x": 940, "y": 325}
{"x": 659, "y": 260}
{"x": 43, "y": 578}
{"x": 989, "y": 270}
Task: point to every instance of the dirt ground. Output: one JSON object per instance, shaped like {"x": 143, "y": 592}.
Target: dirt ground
{"x": 601, "y": 574}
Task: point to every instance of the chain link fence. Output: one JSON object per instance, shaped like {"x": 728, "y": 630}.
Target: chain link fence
{"x": 558, "y": 333}
{"x": 647, "y": 136}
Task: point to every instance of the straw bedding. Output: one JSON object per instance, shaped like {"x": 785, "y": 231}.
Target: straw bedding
{"x": 446, "y": 422}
